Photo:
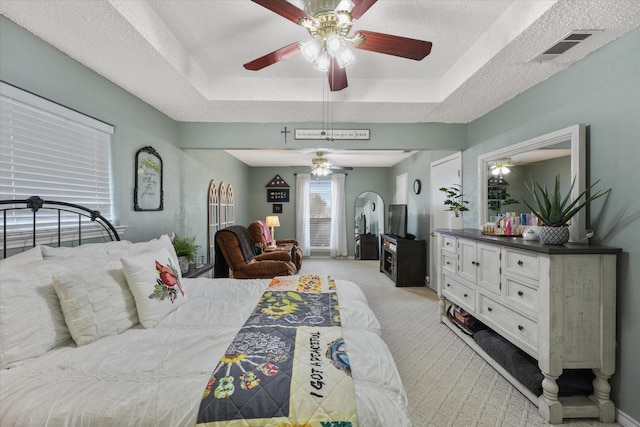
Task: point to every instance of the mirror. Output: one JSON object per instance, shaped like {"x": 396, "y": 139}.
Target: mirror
{"x": 147, "y": 193}
{"x": 369, "y": 223}
{"x": 561, "y": 152}
{"x": 369, "y": 214}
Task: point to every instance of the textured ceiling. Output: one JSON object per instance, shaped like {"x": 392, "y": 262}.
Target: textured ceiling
{"x": 185, "y": 57}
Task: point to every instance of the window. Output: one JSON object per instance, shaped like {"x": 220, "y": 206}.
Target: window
{"x": 50, "y": 151}
{"x": 320, "y": 213}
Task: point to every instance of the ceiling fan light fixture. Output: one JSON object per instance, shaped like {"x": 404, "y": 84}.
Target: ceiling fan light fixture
{"x": 346, "y": 5}
{"x": 345, "y": 57}
{"x": 320, "y": 170}
{"x": 335, "y": 44}
{"x": 322, "y": 62}
{"x": 311, "y": 49}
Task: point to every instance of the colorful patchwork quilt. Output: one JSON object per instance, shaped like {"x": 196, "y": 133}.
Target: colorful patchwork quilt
{"x": 288, "y": 364}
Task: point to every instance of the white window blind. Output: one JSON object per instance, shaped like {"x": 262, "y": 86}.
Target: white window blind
{"x": 320, "y": 213}
{"x": 50, "y": 151}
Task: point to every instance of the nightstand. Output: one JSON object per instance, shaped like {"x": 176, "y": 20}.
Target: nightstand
{"x": 205, "y": 270}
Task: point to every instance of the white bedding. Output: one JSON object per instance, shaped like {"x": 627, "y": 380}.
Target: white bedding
{"x": 155, "y": 377}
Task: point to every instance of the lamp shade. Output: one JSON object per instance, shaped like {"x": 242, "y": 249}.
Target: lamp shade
{"x": 273, "y": 221}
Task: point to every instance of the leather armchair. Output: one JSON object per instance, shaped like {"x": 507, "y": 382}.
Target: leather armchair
{"x": 260, "y": 235}
{"x": 234, "y": 253}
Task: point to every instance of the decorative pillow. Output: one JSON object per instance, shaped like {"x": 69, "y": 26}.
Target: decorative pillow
{"x": 154, "y": 281}
{"x": 96, "y": 303}
{"x": 138, "y": 248}
{"x": 89, "y": 249}
{"x": 32, "y": 320}
{"x": 22, "y": 258}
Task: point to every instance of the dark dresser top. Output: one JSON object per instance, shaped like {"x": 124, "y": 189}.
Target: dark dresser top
{"x": 530, "y": 245}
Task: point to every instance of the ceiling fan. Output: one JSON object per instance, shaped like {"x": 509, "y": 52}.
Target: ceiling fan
{"x": 320, "y": 166}
{"x": 498, "y": 168}
{"x": 329, "y": 23}
{"x": 501, "y": 166}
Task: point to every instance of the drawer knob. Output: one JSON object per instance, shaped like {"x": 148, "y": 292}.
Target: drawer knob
{"x": 448, "y": 244}
{"x": 489, "y": 309}
{"x": 466, "y": 295}
{"x": 448, "y": 263}
{"x": 448, "y": 285}
{"x": 520, "y": 263}
{"x": 520, "y": 327}
{"x": 520, "y": 293}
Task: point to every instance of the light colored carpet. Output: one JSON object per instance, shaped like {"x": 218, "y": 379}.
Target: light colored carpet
{"x": 447, "y": 383}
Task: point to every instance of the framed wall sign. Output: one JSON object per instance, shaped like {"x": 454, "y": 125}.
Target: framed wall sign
{"x": 147, "y": 193}
{"x": 277, "y": 208}
{"x": 277, "y": 195}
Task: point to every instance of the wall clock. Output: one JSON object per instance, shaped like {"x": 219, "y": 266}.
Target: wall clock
{"x": 417, "y": 186}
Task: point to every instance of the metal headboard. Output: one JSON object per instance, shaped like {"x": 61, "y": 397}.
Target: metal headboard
{"x": 35, "y": 204}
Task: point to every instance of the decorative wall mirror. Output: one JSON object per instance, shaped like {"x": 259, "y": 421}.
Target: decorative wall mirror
{"x": 148, "y": 193}
{"x": 539, "y": 152}
{"x": 369, "y": 214}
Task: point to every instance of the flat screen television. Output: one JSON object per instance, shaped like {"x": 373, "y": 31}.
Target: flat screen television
{"x": 397, "y": 220}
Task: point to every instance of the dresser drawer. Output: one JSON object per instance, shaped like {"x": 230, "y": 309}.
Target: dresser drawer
{"x": 456, "y": 292}
{"x": 521, "y": 296}
{"x": 520, "y": 263}
{"x": 449, "y": 244}
{"x": 520, "y": 330}
{"x": 449, "y": 263}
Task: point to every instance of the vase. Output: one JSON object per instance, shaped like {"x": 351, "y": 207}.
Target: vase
{"x": 183, "y": 261}
{"x": 456, "y": 223}
{"x": 553, "y": 235}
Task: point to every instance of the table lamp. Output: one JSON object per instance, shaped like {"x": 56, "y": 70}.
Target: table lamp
{"x": 273, "y": 221}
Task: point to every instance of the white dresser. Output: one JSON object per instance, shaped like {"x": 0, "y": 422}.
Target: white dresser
{"x": 556, "y": 303}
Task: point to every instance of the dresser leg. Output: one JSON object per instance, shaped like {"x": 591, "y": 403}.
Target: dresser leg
{"x": 442, "y": 305}
{"x": 548, "y": 404}
{"x": 601, "y": 396}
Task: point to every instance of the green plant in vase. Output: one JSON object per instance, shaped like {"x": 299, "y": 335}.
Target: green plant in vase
{"x": 555, "y": 210}
{"x": 186, "y": 250}
{"x": 455, "y": 204}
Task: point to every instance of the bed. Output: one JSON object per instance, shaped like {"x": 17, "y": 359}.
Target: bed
{"x": 80, "y": 343}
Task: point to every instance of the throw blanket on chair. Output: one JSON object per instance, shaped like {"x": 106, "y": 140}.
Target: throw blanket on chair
{"x": 288, "y": 365}
{"x": 221, "y": 268}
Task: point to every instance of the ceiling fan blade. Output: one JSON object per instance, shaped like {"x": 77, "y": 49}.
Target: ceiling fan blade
{"x": 394, "y": 45}
{"x": 361, "y": 6}
{"x": 273, "y": 57}
{"x": 284, "y": 9}
{"x": 340, "y": 168}
{"x": 337, "y": 76}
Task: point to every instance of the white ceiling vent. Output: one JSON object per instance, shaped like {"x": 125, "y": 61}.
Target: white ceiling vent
{"x": 573, "y": 39}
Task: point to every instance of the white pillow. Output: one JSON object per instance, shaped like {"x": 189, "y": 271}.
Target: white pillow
{"x": 22, "y": 258}
{"x": 154, "y": 281}
{"x": 96, "y": 303}
{"x": 30, "y": 313}
{"x": 138, "y": 248}
{"x": 89, "y": 249}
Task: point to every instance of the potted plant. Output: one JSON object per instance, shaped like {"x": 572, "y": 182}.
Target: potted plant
{"x": 555, "y": 210}
{"x": 455, "y": 204}
{"x": 186, "y": 250}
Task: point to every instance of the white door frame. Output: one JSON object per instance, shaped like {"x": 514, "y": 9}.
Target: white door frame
{"x": 443, "y": 173}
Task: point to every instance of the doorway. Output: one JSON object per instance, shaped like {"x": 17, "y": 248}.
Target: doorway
{"x": 444, "y": 173}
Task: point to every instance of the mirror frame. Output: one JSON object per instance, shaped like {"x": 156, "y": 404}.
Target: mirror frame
{"x": 576, "y": 134}
{"x": 148, "y": 179}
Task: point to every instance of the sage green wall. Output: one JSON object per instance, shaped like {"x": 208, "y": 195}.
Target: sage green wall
{"x": 35, "y": 66}
{"x": 603, "y": 92}
{"x": 358, "y": 180}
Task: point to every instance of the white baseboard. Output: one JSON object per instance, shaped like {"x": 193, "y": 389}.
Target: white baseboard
{"x": 625, "y": 420}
